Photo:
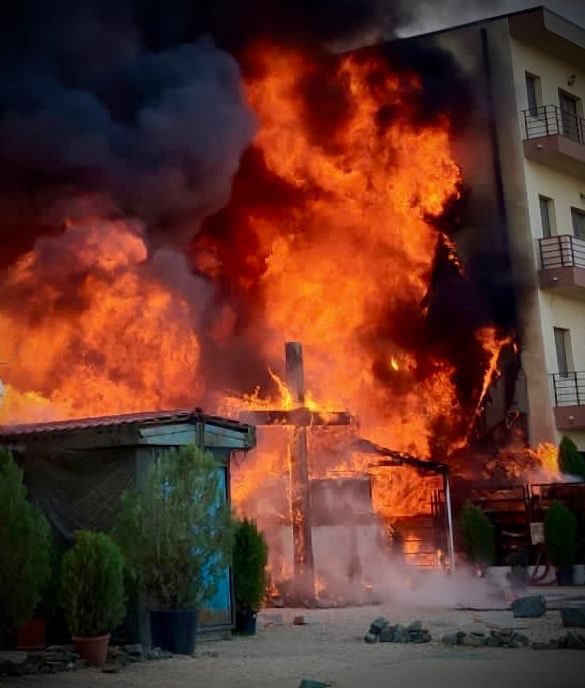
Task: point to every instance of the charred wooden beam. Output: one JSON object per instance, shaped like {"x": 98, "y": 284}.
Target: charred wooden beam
{"x": 300, "y": 417}
{"x": 303, "y": 559}
{"x": 396, "y": 458}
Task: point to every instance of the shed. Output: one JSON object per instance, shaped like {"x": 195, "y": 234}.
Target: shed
{"x": 76, "y": 471}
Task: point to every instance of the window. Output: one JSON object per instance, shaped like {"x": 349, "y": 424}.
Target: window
{"x": 546, "y": 216}
{"x": 578, "y": 217}
{"x": 569, "y": 115}
{"x": 533, "y": 93}
{"x": 562, "y": 347}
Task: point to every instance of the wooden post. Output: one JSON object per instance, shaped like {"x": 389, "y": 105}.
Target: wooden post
{"x": 450, "y": 538}
{"x": 299, "y": 481}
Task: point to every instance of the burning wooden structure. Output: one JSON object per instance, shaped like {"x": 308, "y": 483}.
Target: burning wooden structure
{"x": 341, "y": 232}
{"x": 309, "y": 509}
{"x": 300, "y": 418}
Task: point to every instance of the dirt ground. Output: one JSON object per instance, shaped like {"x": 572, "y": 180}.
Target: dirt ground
{"x": 330, "y": 648}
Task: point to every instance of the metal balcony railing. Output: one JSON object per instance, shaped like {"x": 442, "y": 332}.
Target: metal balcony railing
{"x": 548, "y": 120}
{"x": 562, "y": 251}
{"x": 569, "y": 388}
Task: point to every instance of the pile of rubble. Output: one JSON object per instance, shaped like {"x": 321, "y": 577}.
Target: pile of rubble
{"x": 381, "y": 630}
{"x": 500, "y": 638}
{"x": 572, "y": 640}
{"x": 58, "y": 658}
{"x": 130, "y": 654}
{"x": 55, "y": 658}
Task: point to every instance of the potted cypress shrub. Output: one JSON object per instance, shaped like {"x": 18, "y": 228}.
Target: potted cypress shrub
{"x": 92, "y": 593}
{"x": 31, "y": 635}
{"x": 249, "y": 567}
{"x": 570, "y": 460}
{"x": 479, "y": 539}
{"x": 176, "y": 535}
{"x": 25, "y": 542}
{"x": 560, "y": 539}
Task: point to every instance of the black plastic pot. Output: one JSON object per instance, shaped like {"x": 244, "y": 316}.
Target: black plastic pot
{"x": 565, "y": 576}
{"x": 174, "y": 630}
{"x": 246, "y": 623}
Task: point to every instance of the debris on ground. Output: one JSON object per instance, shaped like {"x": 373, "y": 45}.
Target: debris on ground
{"x": 130, "y": 654}
{"x": 572, "y": 640}
{"x": 309, "y": 683}
{"x": 455, "y": 638}
{"x": 58, "y": 658}
{"x": 269, "y": 619}
{"x": 531, "y": 607}
{"x": 479, "y": 639}
{"x": 378, "y": 624}
{"x": 573, "y": 616}
{"x": 299, "y": 620}
{"x": 381, "y": 630}
{"x": 55, "y": 658}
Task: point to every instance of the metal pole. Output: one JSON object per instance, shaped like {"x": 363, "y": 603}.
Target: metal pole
{"x": 449, "y": 522}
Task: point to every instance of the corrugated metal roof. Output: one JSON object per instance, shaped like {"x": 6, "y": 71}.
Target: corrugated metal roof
{"x": 110, "y": 422}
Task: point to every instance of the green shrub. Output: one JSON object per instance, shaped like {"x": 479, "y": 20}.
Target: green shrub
{"x": 560, "y": 535}
{"x": 92, "y": 585}
{"x": 25, "y": 541}
{"x": 570, "y": 460}
{"x": 249, "y": 566}
{"x": 50, "y": 593}
{"x": 175, "y": 532}
{"x": 479, "y": 539}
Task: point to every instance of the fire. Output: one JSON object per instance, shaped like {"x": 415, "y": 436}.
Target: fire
{"x": 89, "y": 330}
{"x": 547, "y": 456}
{"x": 360, "y": 246}
{"x": 492, "y": 345}
{"x": 344, "y": 266}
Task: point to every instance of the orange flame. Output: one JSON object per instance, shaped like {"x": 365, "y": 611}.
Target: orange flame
{"x": 125, "y": 341}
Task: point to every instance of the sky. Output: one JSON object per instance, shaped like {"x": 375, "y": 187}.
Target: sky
{"x": 439, "y": 15}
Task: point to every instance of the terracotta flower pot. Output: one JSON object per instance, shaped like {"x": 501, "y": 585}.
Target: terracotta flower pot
{"x": 31, "y": 635}
{"x": 94, "y": 650}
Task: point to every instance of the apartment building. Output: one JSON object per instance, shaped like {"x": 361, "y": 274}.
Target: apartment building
{"x": 549, "y": 74}
{"x": 523, "y": 157}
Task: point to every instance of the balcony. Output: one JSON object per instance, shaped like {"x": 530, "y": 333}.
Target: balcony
{"x": 569, "y": 396}
{"x": 554, "y": 137}
{"x": 562, "y": 262}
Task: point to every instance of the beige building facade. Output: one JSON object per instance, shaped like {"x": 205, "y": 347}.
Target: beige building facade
{"x": 523, "y": 156}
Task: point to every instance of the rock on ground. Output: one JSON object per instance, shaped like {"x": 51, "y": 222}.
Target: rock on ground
{"x": 531, "y": 607}
{"x": 573, "y": 616}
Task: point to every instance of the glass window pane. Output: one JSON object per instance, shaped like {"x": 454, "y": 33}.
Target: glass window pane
{"x": 561, "y": 348}
{"x": 568, "y": 104}
{"x": 545, "y": 216}
{"x": 531, "y": 93}
{"x": 569, "y": 118}
{"x": 578, "y": 217}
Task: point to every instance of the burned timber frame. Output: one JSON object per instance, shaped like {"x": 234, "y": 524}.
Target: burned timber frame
{"x": 394, "y": 458}
{"x": 300, "y": 502}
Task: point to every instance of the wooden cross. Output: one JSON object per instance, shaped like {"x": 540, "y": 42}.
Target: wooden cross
{"x": 300, "y": 497}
